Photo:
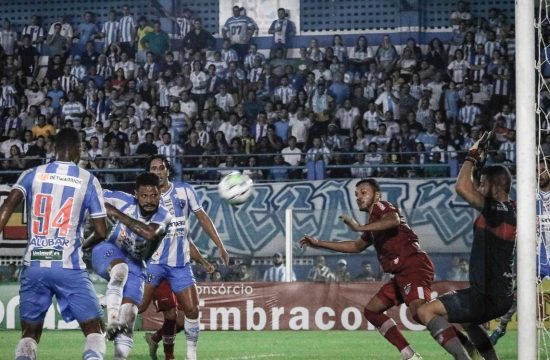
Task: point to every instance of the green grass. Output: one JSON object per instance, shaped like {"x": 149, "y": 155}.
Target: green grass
{"x": 65, "y": 345}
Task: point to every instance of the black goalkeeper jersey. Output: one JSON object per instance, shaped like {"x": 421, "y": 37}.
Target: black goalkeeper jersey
{"x": 491, "y": 259}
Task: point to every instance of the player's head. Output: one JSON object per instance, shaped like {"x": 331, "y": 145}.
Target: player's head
{"x": 367, "y": 192}
{"x": 544, "y": 175}
{"x": 494, "y": 180}
{"x": 67, "y": 145}
{"x": 148, "y": 192}
{"x": 159, "y": 165}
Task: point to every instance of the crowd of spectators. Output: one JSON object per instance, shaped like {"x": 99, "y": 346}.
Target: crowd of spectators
{"x": 338, "y": 110}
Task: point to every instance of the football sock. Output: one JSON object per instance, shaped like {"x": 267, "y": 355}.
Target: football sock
{"x": 124, "y": 342}
{"x": 168, "y": 336}
{"x": 123, "y": 346}
{"x": 465, "y": 341}
{"x": 26, "y": 349}
{"x": 192, "y": 329}
{"x": 388, "y": 328}
{"x": 128, "y": 313}
{"x": 157, "y": 336}
{"x": 482, "y": 342}
{"x": 113, "y": 295}
{"x": 95, "y": 347}
{"x": 505, "y": 319}
{"x": 445, "y": 334}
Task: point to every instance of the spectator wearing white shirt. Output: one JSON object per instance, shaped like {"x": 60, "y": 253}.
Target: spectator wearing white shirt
{"x": 231, "y": 128}
{"x": 127, "y": 65}
{"x": 110, "y": 31}
{"x": 388, "y": 99}
{"x": 73, "y": 110}
{"x": 224, "y": 100}
{"x": 285, "y": 92}
{"x": 348, "y": 116}
{"x": 66, "y": 28}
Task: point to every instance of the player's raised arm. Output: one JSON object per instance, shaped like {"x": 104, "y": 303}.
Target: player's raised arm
{"x": 8, "y": 206}
{"x": 345, "y": 246}
{"x": 465, "y": 182}
{"x": 212, "y": 232}
{"x": 149, "y": 232}
{"x": 388, "y": 221}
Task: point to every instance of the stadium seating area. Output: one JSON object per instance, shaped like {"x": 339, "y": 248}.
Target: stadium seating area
{"x": 402, "y": 106}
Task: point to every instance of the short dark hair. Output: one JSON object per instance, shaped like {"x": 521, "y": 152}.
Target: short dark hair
{"x": 67, "y": 138}
{"x": 499, "y": 175}
{"x": 372, "y": 182}
{"x": 147, "y": 179}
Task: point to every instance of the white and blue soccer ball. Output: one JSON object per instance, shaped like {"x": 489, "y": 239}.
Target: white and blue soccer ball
{"x": 235, "y": 188}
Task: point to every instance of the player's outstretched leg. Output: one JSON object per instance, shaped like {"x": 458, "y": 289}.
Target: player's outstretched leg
{"x": 124, "y": 341}
{"x": 113, "y": 299}
{"x": 152, "y": 343}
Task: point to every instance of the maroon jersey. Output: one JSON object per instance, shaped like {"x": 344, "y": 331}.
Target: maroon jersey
{"x": 395, "y": 246}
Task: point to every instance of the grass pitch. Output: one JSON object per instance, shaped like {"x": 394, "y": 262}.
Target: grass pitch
{"x": 234, "y": 345}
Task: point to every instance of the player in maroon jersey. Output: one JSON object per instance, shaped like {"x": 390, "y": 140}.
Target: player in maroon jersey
{"x": 398, "y": 253}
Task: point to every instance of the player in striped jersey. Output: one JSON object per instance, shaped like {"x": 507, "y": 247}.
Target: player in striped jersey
{"x": 171, "y": 260}
{"x": 139, "y": 225}
{"x": 58, "y": 195}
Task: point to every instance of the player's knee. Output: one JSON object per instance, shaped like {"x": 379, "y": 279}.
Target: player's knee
{"x": 191, "y": 312}
{"x": 170, "y": 314}
{"x": 119, "y": 272}
{"x": 423, "y": 314}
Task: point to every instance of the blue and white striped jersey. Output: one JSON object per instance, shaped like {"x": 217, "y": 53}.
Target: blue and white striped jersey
{"x": 180, "y": 200}
{"x": 238, "y": 27}
{"x": 120, "y": 235}
{"x": 58, "y": 196}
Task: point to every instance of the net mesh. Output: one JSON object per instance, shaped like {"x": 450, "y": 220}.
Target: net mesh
{"x": 542, "y": 28}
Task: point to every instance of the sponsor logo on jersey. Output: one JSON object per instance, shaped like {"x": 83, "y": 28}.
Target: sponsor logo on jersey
{"x": 407, "y": 289}
{"x": 49, "y": 242}
{"x": 58, "y": 179}
{"x": 46, "y": 254}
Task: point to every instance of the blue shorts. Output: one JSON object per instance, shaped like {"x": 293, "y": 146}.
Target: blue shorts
{"x": 102, "y": 256}
{"x": 180, "y": 278}
{"x": 73, "y": 289}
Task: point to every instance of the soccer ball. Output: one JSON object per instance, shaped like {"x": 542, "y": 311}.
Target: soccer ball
{"x": 235, "y": 188}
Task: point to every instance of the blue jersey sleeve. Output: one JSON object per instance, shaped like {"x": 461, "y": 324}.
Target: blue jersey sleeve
{"x": 95, "y": 202}
{"x": 118, "y": 199}
{"x": 24, "y": 183}
{"x": 187, "y": 192}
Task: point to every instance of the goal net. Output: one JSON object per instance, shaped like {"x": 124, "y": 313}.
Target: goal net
{"x": 542, "y": 34}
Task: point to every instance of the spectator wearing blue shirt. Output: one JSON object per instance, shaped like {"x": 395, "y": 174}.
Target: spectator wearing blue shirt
{"x": 280, "y": 170}
{"x": 282, "y": 127}
{"x": 338, "y": 90}
{"x": 85, "y": 32}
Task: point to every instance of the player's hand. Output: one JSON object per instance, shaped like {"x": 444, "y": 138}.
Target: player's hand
{"x": 225, "y": 256}
{"x": 309, "y": 241}
{"x": 350, "y": 222}
{"x": 477, "y": 154}
{"x": 209, "y": 268}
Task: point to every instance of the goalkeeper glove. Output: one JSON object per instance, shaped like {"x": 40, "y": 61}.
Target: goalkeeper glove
{"x": 477, "y": 154}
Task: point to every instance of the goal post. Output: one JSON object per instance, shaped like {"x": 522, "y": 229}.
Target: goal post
{"x": 526, "y": 178}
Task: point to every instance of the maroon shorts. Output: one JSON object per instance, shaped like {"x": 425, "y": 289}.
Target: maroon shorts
{"x": 164, "y": 297}
{"x": 412, "y": 283}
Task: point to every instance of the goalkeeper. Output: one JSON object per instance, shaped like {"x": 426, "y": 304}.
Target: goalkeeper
{"x": 490, "y": 294}
{"x": 543, "y": 236}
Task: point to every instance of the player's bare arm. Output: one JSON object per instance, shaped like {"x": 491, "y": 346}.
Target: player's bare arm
{"x": 210, "y": 229}
{"x": 387, "y": 221}
{"x": 8, "y": 206}
{"x": 197, "y": 256}
{"x": 345, "y": 246}
{"x": 149, "y": 232}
